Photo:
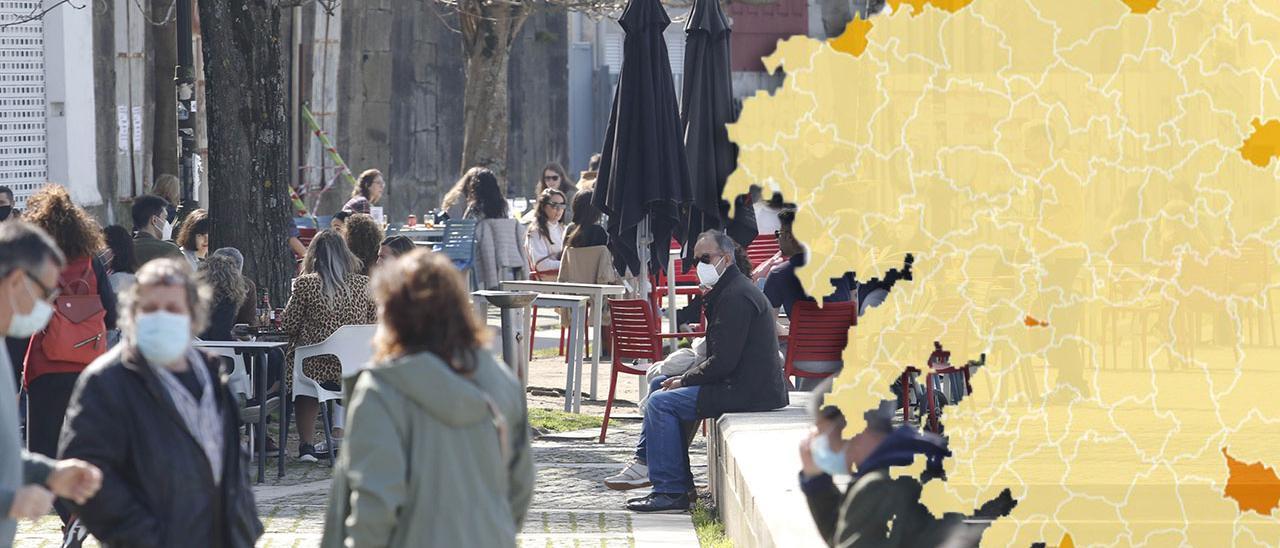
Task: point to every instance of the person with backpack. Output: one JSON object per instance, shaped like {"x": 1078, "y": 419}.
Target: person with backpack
{"x": 84, "y": 310}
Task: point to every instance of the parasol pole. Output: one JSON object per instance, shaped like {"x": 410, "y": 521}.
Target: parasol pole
{"x": 644, "y": 238}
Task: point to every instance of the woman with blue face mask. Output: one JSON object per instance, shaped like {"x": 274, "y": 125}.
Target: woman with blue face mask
{"x": 154, "y": 403}
{"x": 879, "y": 508}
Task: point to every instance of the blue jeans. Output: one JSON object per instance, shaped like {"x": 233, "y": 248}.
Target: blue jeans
{"x": 662, "y": 446}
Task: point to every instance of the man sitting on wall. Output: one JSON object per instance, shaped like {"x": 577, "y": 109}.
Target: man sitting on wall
{"x": 742, "y": 373}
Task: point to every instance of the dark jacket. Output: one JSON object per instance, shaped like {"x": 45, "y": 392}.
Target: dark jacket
{"x": 222, "y": 319}
{"x": 879, "y": 510}
{"x": 148, "y": 248}
{"x": 742, "y": 372}
{"x": 157, "y": 489}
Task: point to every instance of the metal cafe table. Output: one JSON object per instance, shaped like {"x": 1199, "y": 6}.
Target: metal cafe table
{"x": 255, "y": 354}
{"x": 597, "y": 293}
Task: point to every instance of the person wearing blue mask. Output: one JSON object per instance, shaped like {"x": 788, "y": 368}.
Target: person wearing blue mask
{"x": 155, "y": 415}
{"x": 29, "y": 265}
{"x": 879, "y": 509}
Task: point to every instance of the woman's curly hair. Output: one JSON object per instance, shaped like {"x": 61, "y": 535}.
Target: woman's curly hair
{"x": 419, "y": 281}
{"x": 222, "y": 275}
{"x": 77, "y": 233}
{"x": 364, "y": 237}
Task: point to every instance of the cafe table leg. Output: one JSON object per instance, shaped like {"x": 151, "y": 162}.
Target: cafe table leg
{"x": 568, "y": 373}
{"x": 286, "y": 407}
{"x": 580, "y": 330}
{"x": 284, "y": 426}
{"x": 260, "y": 367}
{"x": 597, "y": 334}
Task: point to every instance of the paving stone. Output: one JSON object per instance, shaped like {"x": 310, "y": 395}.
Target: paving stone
{"x": 571, "y": 506}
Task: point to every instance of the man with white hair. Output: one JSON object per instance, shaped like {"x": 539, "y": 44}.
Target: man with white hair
{"x": 742, "y": 372}
{"x": 29, "y": 267}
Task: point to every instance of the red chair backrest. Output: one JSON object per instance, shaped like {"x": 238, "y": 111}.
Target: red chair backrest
{"x": 635, "y": 330}
{"x": 761, "y": 249}
{"x": 305, "y": 235}
{"x": 689, "y": 277}
{"x": 820, "y": 334}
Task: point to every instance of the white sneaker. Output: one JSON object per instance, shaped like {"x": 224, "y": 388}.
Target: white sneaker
{"x": 634, "y": 476}
{"x": 322, "y": 447}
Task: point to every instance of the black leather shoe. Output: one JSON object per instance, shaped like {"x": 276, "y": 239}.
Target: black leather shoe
{"x": 661, "y": 503}
{"x": 693, "y": 495}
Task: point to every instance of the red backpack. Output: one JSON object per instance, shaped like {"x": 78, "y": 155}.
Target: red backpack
{"x": 77, "y": 332}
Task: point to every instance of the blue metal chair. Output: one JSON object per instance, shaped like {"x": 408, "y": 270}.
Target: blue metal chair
{"x": 459, "y": 242}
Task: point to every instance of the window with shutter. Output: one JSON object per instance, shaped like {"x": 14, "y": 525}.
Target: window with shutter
{"x": 22, "y": 107}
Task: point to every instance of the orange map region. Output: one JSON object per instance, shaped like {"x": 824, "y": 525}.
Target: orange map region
{"x": 1254, "y": 486}
{"x": 1264, "y": 144}
{"x": 917, "y": 6}
{"x": 1141, "y": 6}
{"x": 854, "y": 38}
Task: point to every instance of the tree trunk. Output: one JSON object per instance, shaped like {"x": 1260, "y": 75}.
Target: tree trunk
{"x": 248, "y": 138}
{"x": 487, "y": 32}
{"x": 164, "y": 138}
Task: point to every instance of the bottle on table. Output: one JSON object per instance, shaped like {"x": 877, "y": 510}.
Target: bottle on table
{"x": 265, "y": 312}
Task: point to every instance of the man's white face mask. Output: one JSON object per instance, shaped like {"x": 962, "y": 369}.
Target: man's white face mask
{"x": 709, "y": 273}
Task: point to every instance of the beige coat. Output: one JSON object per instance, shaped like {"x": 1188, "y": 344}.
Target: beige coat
{"x": 587, "y": 265}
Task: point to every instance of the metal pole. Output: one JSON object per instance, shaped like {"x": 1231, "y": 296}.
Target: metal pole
{"x": 184, "y": 81}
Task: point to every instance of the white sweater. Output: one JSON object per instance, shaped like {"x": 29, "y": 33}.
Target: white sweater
{"x": 543, "y": 253}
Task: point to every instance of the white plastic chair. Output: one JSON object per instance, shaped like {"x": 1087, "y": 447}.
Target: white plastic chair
{"x": 238, "y": 380}
{"x": 351, "y": 344}
{"x": 241, "y": 385}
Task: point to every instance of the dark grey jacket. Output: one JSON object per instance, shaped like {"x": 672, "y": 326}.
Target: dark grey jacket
{"x": 157, "y": 489}
{"x": 17, "y": 466}
{"x": 742, "y": 372}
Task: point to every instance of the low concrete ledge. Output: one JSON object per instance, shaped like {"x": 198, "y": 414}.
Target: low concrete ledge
{"x": 753, "y": 462}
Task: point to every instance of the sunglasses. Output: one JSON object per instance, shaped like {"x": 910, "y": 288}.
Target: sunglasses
{"x": 550, "y": 177}
{"x": 50, "y": 293}
{"x": 705, "y": 258}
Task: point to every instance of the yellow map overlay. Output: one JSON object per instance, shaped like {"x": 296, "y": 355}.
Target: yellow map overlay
{"x": 1107, "y": 168}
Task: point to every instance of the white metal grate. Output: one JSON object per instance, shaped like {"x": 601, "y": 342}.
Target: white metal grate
{"x": 23, "y": 158}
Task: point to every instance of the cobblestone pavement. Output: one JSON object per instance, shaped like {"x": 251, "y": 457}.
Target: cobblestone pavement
{"x": 571, "y": 507}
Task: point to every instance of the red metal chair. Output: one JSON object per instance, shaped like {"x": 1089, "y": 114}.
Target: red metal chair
{"x": 762, "y": 248}
{"x": 635, "y": 337}
{"x": 305, "y": 235}
{"x": 818, "y": 334}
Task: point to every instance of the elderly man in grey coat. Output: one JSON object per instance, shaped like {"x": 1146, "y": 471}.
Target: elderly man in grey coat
{"x": 29, "y": 267}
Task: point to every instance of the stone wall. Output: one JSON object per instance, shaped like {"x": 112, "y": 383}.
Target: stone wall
{"x": 400, "y": 93}
{"x": 539, "y": 84}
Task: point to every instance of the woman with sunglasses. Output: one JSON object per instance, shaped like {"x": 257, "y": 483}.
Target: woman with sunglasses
{"x": 554, "y": 177}
{"x": 546, "y": 233}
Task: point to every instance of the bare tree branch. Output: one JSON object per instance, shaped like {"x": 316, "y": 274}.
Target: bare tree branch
{"x": 35, "y": 16}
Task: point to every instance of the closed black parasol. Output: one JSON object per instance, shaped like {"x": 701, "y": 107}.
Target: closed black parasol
{"x": 644, "y": 175}
{"x": 707, "y": 107}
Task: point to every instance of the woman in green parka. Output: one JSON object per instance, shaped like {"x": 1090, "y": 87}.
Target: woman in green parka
{"x": 437, "y": 447}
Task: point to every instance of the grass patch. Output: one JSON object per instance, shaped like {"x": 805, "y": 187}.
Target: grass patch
{"x": 708, "y": 525}
{"x": 546, "y": 352}
{"x": 553, "y": 420}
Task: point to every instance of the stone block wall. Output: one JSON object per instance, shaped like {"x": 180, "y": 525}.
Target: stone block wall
{"x": 400, "y": 95}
